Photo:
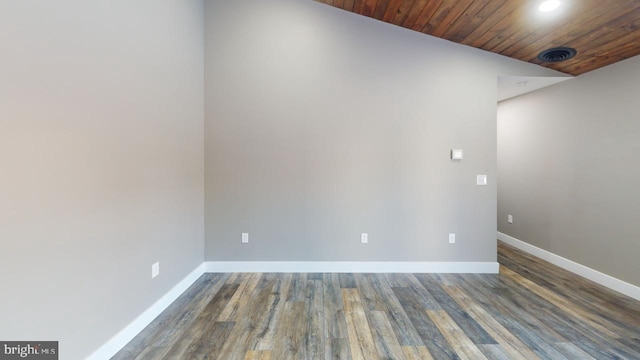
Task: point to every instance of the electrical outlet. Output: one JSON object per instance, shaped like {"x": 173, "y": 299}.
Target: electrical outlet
{"x": 155, "y": 269}
{"x": 245, "y": 238}
{"x": 510, "y": 219}
{"x": 452, "y": 238}
{"x": 364, "y": 238}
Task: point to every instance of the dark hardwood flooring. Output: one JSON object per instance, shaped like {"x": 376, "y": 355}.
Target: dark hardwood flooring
{"x": 531, "y": 310}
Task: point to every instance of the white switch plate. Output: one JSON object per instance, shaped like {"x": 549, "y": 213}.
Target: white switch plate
{"x": 245, "y": 238}
{"x": 510, "y": 219}
{"x": 364, "y": 238}
{"x": 457, "y": 154}
{"x": 452, "y": 238}
{"x": 481, "y": 179}
{"x": 155, "y": 269}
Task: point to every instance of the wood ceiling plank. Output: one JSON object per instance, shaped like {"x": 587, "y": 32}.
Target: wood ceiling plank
{"x": 602, "y": 46}
{"x": 381, "y": 8}
{"x": 613, "y": 51}
{"x": 369, "y": 7}
{"x": 485, "y": 30}
{"x": 415, "y": 11}
{"x": 459, "y": 7}
{"x": 500, "y": 31}
{"x": 591, "y": 60}
{"x": 532, "y": 26}
{"x": 348, "y": 5}
{"x": 403, "y": 11}
{"x": 482, "y": 18}
{"x": 392, "y": 10}
{"x": 587, "y": 65}
{"x": 469, "y": 19}
{"x": 602, "y": 31}
{"x": 426, "y": 14}
{"x": 544, "y": 33}
{"x": 629, "y": 52}
{"x": 580, "y": 36}
{"x": 441, "y": 13}
{"x": 515, "y": 32}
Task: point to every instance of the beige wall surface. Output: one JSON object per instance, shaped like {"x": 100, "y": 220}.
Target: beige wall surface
{"x": 568, "y": 169}
{"x": 101, "y": 163}
{"x": 322, "y": 125}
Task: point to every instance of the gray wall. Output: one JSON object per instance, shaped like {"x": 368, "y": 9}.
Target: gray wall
{"x": 321, "y": 125}
{"x": 101, "y": 161}
{"x": 568, "y": 169}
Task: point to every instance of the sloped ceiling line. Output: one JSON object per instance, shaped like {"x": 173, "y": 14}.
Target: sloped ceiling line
{"x": 602, "y": 31}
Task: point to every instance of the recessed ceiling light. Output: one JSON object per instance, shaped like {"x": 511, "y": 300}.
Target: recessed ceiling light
{"x": 549, "y": 5}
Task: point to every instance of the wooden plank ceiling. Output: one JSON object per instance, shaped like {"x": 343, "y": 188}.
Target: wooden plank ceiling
{"x": 602, "y": 31}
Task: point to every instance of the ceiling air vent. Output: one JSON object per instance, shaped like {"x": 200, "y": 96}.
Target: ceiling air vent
{"x": 557, "y": 54}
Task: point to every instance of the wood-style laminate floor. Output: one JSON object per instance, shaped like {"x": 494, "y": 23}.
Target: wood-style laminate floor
{"x": 531, "y": 310}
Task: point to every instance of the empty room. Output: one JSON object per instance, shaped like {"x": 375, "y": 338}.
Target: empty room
{"x": 333, "y": 179}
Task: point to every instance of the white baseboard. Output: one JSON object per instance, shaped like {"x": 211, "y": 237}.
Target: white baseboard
{"x": 351, "y": 267}
{"x": 125, "y": 335}
{"x": 117, "y": 342}
{"x": 584, "y": 271}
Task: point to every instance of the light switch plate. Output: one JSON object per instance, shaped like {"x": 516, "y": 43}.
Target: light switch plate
{"x": 245, "y": 238}
{"x": 155, "y": 269}
{"x": 481, "y": 180}
{"x": 457, "y": 154}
